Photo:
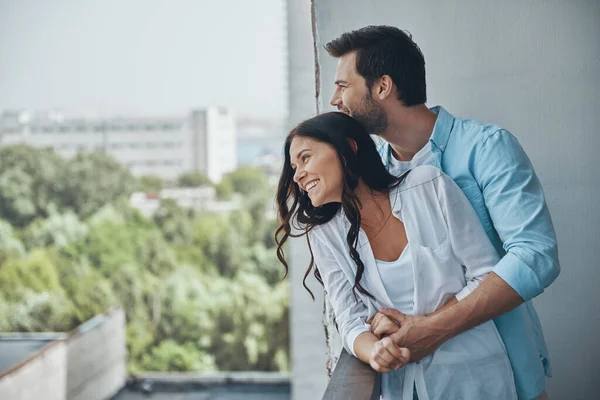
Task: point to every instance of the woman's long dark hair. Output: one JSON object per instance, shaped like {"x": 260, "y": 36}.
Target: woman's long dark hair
{"x": 341, "y": 132}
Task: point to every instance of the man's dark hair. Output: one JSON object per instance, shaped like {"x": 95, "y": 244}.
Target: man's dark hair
{"x": 386, "y": 50}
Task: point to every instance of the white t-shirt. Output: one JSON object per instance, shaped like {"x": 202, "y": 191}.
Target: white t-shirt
{"x": 423, "y": 157}
{"x": 398, "y": 279}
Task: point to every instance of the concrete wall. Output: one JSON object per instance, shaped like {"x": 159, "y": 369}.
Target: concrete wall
{"x": 96, "y": 358}
{"x": 41, "y": 376}
{"x": 309, "y": 377}
{"x": 534, "y": 68}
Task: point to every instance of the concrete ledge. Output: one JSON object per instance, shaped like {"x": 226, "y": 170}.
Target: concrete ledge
{"x": 39, "y": 376}
{"x": 352, "y": 380}
{"x": 274, "y": 378}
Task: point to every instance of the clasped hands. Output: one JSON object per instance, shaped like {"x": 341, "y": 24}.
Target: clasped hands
{"x": 402, "y": 339}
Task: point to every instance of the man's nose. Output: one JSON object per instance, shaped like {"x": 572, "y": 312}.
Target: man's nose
{"x": 336, "y": 99}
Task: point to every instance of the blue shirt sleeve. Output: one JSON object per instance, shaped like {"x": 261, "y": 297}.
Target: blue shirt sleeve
{"x": 515, "y": 201}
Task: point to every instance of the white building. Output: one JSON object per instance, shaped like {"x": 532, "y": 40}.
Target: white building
{"x": 200, "y": 198}
{"x": 204, "y": 141}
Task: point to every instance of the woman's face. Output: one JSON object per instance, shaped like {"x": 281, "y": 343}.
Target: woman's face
{"x": 318, "y": 170}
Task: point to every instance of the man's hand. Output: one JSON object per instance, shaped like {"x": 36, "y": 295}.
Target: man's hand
{"x": 387, "y": 356}
{"x": 382, "y": 325}
{"x": 417, "y": 333}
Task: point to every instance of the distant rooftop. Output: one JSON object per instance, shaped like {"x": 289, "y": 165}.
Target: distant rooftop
{"x": 18, "y": 347}
{"x": 213, "y": 392}
{"x": 226, "y": 386}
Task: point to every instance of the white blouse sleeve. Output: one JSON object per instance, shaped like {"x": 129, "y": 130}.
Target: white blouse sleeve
{"x": 470, "y": 243}
{"x": 351, "y": 314}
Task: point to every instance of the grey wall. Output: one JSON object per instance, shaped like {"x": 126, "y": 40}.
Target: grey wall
{"x": 534, "y": 68}
{"x": 42, "y": 376}
{"x": 308, "y": 349}
{"x": 97, "y": 357}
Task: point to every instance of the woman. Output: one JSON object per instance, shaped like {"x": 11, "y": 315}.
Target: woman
{"x": 412, "y": 243}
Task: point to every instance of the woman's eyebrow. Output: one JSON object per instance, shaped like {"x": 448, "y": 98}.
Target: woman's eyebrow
{"x": 300, "y": 153}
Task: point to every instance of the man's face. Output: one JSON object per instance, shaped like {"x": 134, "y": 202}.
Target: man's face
{"x": 351, "y": 96}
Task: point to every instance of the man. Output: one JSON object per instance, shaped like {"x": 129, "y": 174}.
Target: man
{"x": 380, "y": 81}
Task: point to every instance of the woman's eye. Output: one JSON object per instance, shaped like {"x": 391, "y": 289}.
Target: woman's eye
{"x": 304, "y": 158}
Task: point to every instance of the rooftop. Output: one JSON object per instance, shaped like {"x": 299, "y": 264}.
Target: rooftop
{"x": 222, "y": 386}
{"x": 18, "y": 347}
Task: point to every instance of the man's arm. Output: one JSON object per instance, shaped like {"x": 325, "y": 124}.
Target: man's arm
{"x": 423, "y": 335}
{"x": 515, "y": 201}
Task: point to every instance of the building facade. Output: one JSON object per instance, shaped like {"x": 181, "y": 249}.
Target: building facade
{"x": 204, "y": 140}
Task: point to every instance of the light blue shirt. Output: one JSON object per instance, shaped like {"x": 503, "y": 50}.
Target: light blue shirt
{"x": 492, "y": 169}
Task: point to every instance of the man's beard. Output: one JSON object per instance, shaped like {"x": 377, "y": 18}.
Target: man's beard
{"x": 371, "y": 116}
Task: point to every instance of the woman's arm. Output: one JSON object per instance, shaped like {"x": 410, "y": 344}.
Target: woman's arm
{"x": 382, "y": 355}
{"x": 351, "y": 314}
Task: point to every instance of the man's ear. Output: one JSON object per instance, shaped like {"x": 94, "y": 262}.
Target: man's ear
{"x": 385, "y": 87}
{"x": 353, "y": 144}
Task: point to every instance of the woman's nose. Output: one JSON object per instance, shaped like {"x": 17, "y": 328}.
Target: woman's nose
{"x": 298, "y": 175}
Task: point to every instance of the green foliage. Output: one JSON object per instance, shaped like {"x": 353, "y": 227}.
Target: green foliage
{"x": 172, "y": 357}
{"x": 193, "y": 179}
{"x": 247, "y": 180}
{"x": 174, "y": 222}
{"x": 185, "y": 299}
{"x": 92, "y": 180}
{"x": 30, "y": 183}
{"x": 58, "y": 230}
{"x": 150, "y": 184}
{"x": 34, "y": 273}
{"x": 201, "y": 291}
{"x": 10, "y": 246}
{"x": 154, "y": 254}
{"x": 109, "y": 246}
{"x": 224, "y": 190}
{"x": 41, "y": 312}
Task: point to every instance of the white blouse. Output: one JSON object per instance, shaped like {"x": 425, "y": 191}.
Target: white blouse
{"x": 451, "y": 254}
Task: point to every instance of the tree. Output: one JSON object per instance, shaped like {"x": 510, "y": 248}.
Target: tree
{"x": 201, "y": 291}
{"x": 247, "y": 180}
{"x": 170, "y": 356}
{"x": 224, "y": 190}
{"x": 10, "y": 245}
{"x": 34, "y": 273}
{"x": 174, "y": 222}
{"x": 57, "y": 230}
{"x": 186, "y": 300}
{"x": 92, "y": 180}
{"x": 193, "y": 179}
{"x": 150, "y": 183}
{"x": 41, "y": 312}
{"x": 30, "y": 182}
{"x": 109, "y": 246}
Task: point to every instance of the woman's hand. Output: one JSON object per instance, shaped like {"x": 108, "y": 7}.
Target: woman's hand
{"x": 387, "y": 356}
{"x": 382, "y": 325}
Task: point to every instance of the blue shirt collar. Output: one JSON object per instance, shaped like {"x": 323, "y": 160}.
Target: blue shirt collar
{"x": 439, "y": 137}
{"x": 442, "y": 128}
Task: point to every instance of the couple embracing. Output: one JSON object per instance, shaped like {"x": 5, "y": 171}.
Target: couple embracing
{"x": 431, "y": 246}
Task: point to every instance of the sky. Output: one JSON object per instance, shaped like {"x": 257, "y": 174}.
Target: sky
{"x": 143, "y": 57}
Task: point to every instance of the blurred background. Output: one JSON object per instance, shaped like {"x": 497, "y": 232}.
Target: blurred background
{"x": 140, "y": 144}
